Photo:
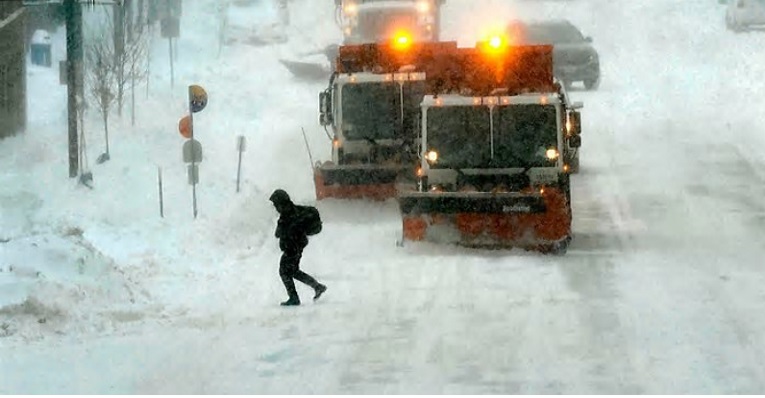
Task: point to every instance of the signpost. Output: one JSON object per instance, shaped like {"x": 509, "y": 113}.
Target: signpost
{"x": 241, "y": 144}
{"x": 192, "y": 149}
{"x": 169, "y": 14}
{"x": 159, "y": 186}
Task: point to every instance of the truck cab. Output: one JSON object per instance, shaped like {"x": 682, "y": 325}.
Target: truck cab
{"x": 372, "y": 21}
{"x": 373, "y": 121}
{"x": 493, "y": 156}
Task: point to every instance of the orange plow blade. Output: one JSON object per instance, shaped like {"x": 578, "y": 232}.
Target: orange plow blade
{"x": 372, "y": 183}
{"x": 540, "y": 222}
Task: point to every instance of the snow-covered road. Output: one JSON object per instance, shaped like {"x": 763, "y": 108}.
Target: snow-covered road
{"x": 662, "y": 291}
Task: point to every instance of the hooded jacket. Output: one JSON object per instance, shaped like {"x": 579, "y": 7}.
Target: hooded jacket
{"x": 290, "y": 228}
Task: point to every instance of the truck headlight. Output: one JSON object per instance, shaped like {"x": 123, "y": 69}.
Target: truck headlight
{"x": 351, "y": 9}
{"x": 552, "y": 154}
{"x": 431, "y": 156}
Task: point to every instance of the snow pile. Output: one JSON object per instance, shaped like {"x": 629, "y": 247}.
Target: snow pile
{"x": 59, "y": 283}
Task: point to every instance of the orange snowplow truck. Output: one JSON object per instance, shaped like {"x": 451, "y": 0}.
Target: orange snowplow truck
{"x": 492, "y": 171}
{"x": 371, "y": 110}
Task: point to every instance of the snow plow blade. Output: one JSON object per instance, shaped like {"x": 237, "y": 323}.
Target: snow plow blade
{"x": 307, "y": 70}
{"x": 532, "y": 221}
{"x": 356, "y": 182}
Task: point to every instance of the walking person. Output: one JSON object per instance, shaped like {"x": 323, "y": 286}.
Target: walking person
{"x": 295, "y": 224}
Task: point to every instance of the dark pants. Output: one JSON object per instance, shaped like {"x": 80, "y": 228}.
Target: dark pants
{"x": 289, "y": 269}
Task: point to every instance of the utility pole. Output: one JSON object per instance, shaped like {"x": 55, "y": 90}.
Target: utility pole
{"x": 119, "y": 51}
{"x": 74, "y": 55}
{"x": 74, "y": 79}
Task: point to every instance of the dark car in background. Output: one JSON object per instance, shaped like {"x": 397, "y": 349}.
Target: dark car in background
{"x": 574, "y": 57}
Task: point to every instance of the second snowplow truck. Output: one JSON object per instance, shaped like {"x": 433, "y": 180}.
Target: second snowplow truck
{"x": 371, "y": 111}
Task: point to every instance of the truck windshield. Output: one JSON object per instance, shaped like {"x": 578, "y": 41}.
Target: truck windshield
{"x": 523, "y": 134}
{"x": 460, "y": 134}
{"x": 552, "y": 34}
{"x": 377, "y": 24}
{"x": 373, "y": 110}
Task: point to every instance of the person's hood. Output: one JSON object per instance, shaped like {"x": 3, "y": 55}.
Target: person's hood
{"x": 281, "y": 199}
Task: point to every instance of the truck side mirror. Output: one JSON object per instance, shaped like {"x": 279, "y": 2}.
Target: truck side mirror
{"x": 325, "y": 108}
{"x": 575, "y": 123}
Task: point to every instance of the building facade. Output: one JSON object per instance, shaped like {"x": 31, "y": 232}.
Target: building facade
{"x": 13, "y": 112}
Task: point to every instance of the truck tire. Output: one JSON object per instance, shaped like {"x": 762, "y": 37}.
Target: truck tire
{"x": 573, "y": 164}
{"x": 592, "y": 84}
{"x": 560, "y": 248}
{"x": 732, "y": 25}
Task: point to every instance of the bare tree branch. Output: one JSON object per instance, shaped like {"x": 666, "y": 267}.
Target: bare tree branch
{"x": 129, "y": 65}
{"x": 100, "y": 77}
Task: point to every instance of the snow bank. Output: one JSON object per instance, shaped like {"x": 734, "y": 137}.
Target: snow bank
{"x": 59, "y": 283}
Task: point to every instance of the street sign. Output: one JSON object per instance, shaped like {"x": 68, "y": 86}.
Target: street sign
{"x": 241, "y": 143}
{"x": 170, "y": 27}
{"x": 192, "y": 151}
{"x": 161, "y": 9}
{"x": 184, "y": 126}
{"x": 197, "y": 98}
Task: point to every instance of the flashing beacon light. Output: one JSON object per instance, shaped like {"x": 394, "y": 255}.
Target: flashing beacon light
{"x": 350, "y": 9}
{"x": 402, "y": 40}
{"x": 496, "y": 42}
{"x": 423, "y": 6}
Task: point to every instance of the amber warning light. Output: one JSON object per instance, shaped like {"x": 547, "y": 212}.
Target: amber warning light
{"x": 495, "y": 44}
{"x": 402, "y": 41}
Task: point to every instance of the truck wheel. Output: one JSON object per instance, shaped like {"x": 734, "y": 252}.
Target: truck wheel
{"x": 731, "y": 24}
{"x": 556, "y": 249}
{"x": 592, "y": 84}
{"x": 573, "y": 164}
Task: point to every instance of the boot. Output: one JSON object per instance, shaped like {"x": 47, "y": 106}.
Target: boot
{"x": 291, "y": 301}
{"x": 289, "y": 284}
{"x": 320, "y": 289}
